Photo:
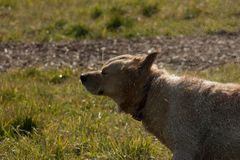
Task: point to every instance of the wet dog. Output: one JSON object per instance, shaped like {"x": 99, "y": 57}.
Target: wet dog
{"x": 196, "y": 119}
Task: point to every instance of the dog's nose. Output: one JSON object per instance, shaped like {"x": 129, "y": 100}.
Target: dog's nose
{"x": 83, "y": 78}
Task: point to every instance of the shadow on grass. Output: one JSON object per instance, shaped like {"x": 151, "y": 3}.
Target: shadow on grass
{"x": 78, "y": 31}
{"x": 117, "y": 23}
{"x": 21, "y": 126}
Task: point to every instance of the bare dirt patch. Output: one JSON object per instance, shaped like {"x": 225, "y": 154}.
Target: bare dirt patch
{"x": 183, "y": 53}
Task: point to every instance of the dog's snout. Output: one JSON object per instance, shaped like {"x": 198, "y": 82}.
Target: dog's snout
{"x": 83, "y": 78}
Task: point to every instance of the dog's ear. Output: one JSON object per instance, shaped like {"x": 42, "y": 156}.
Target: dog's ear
{"x": 147, "y": 62}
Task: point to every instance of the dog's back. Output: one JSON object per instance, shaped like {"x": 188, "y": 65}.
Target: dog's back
{"x": 202, "y": 114}
{"x": 223, "y": 137}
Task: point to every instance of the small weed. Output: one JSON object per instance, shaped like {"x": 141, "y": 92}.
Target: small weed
{"x": 129, "y": 35}
{"x": 2, "y": 132}
{"x": 78, "y": 31}
{"x": 117, "y": 23}
{"x": 8, "y": 4}
{"x": 192, "y": 13}
{"x": 149, "y": 10}
{"x": 8, "y": 95}
{"x": 59, "y": 153}
{"x": 96, "y": 13}
{"x": 23, "y": 126}
{"x": 32, "y": 72}
{"x": 59, "y": 25}
{"x": 116, "y": 10}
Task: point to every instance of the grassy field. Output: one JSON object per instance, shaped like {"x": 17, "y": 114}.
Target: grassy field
{"x": 55, "y": 20}
{"x": 46, "y": 114}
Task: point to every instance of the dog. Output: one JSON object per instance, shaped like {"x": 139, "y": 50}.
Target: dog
{"x": 196, "y": 119}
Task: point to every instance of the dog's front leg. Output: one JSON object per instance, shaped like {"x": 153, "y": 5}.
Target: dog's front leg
{"x": 185, "y": 155}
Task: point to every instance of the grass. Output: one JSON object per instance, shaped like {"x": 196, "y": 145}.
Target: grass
{"x": 96, "y": 13}
{"x": 56, "y": 20}
{"x": 78, "y": 31}
{"x": 149, "y": 10}
{"x": 46, "y": 114}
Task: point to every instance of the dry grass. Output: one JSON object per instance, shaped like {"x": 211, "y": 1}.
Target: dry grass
{"x": 53, "y": 20}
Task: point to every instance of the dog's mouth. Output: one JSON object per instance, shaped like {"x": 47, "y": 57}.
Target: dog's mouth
{"x": 100, "y": 92}
{"x": 94, "y": 91}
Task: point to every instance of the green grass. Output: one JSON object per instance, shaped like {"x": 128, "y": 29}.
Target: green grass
{"x": 46, "y": 114}
{"x": 55, "y": 20}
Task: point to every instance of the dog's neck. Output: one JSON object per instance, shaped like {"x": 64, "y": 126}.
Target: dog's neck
{"x": 135, "y": 104}
{"x": 138, "y": 115}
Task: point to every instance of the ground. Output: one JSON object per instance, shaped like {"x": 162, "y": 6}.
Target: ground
{"x": 179, "y": 53}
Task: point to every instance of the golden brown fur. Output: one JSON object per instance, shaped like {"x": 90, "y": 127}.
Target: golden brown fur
{"x": 196, "y": 119}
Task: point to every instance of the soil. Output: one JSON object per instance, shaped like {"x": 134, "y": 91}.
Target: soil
{"x": 181, "y": 53}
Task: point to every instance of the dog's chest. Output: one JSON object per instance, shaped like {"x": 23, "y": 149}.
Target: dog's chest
{"x": 158, "y": 129}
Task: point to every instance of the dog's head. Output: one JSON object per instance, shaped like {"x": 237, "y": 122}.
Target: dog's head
{"x": 122, "y": 78}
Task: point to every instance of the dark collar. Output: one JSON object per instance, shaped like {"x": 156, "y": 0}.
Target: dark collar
{"x": 138, "y": 115}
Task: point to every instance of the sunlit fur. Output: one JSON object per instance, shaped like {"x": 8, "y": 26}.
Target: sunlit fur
{"x": 196, "y": 119}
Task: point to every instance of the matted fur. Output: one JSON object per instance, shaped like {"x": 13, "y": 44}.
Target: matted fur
{"x": 196, "y": 119}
